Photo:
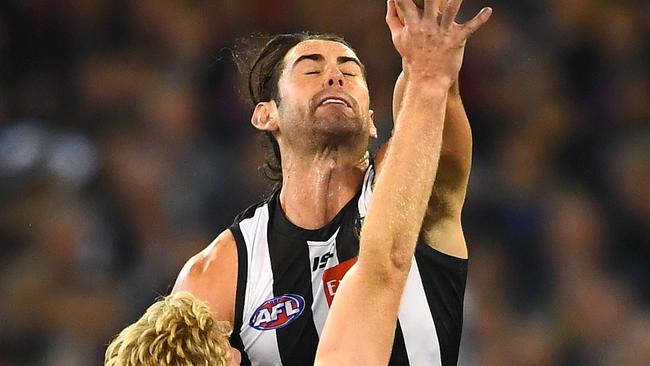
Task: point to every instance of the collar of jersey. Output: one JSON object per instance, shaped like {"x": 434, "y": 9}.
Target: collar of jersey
{"x": 282, "y": 224}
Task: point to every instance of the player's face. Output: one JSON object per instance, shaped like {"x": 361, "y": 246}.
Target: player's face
{"x": 323, "y": 92}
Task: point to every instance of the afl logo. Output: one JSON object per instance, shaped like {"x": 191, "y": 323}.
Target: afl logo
{"x": 278, "y": 312}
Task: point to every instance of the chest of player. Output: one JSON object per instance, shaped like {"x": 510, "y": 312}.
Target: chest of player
{"x": 291, "y": 282}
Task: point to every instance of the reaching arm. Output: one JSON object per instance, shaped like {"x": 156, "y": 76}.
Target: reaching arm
{"x": 361, "y": 324}
{"x": 456, "y": 151}
{"x": 442, "y": 228}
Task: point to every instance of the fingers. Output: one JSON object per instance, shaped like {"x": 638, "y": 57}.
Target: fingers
{"x": 431, "y": 9}
{"x": 392, "y": 19}
{"x": 477, "y": 22}
{"x": 409, "y": 10}
{"x": 449, "y": 13}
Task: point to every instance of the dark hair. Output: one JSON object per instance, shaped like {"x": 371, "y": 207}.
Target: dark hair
{"x": 259, "y": 59}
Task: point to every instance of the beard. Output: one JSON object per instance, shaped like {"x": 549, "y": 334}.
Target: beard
{"x": 316, "y": 126}
{"x": 334, "y": 121}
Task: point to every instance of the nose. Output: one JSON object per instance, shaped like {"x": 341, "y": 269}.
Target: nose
{"x": 334, "y": 78}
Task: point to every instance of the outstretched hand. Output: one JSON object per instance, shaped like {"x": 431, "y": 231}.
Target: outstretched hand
{"x": 430, "y": 42}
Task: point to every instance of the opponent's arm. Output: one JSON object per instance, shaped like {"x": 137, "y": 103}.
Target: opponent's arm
{"x": 361, "y": 324}
{"x": 456, "y": 151}
{"x": 442, "y": 228}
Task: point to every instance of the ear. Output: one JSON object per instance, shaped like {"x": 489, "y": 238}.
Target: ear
{"x": 372, "y": 127}
{"x": 265, "y": 116}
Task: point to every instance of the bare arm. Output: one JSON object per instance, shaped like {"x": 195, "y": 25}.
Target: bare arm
{"x": 456, "y": 152}
{"x": 442, "y": 227}
{"x": 211, "y": 275}
{"x": 361, "y": 324}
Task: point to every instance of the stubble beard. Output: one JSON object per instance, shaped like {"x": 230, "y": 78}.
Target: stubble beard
{"x": 316, "y": 129}
{"x": 335, "y": 127}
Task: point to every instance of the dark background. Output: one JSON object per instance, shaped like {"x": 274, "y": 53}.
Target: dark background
{"x": 125, "y": 149}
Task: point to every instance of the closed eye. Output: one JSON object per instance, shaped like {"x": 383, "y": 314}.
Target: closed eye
{"x": 312, "y": 73}
{"x": 349, "y": 74}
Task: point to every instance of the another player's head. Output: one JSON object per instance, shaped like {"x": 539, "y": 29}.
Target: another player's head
{"x": 178, "y": 330}
{"x": 289, "y": 79}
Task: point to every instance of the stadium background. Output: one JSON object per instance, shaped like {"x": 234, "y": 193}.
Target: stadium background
{"x": 124, "y": 149}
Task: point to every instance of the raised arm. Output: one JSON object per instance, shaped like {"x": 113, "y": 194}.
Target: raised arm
{"x": 361, "y": 324}
{"x": 442, "y": 228}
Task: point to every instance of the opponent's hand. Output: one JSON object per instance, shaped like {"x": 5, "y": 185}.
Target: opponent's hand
{"x": 430, "y": 42}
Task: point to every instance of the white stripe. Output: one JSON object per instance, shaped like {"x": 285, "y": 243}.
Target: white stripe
{"x": 261, "y": 346}
{"x": 417, "y": 324}
{"x": 366, "y": 191}
{"x": 317, "y": 249}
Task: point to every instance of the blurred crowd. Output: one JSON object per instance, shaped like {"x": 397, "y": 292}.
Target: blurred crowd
{"x": 125, "y": 148}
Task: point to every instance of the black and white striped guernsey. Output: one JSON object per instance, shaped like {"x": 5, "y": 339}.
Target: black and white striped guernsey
{"x": 287, "y": 275}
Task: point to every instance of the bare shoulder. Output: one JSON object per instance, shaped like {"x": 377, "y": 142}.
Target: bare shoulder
{"x": 211, "y": 275}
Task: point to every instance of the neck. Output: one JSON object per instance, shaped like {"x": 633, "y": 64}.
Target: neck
{"x": 317, "y": 186}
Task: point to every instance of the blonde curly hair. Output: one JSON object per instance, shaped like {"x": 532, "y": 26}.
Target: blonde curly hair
{"x": 178, "y": 330}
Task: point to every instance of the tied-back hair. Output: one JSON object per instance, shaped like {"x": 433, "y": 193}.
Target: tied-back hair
{"x": 178, "y": 330}
{"x": 259, "y": 59}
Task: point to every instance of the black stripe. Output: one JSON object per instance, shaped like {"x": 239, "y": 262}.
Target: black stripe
{"x": 249, "y": 212}
{"x": 347, "y": 240}
{"x": 281, "y": 223}
{"x": 290, "y": 264}
{"x": 242, "y": 277}
{"x": 443, "y": 279}
{"x": 399, "y": 357}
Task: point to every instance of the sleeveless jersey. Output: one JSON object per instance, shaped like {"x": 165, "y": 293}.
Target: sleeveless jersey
{"x": 287, "y": 277}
